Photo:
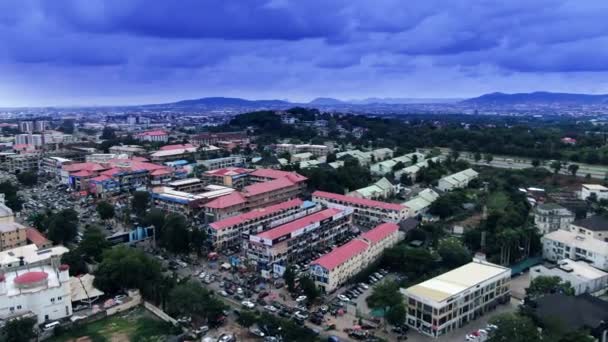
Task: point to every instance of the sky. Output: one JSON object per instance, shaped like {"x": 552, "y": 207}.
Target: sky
{"x": 114, "y": 52}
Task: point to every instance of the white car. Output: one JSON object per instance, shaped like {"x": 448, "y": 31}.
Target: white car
{"x": 301, "y": 299}
{"x": 364, "y": 285}
{"x": 270, "y": 308}
{"x": 224, "y": 293}
{"x": 202, "y": 275}
{"x": 239, "y": 291}
{"x": 343, "y": 298}
{"x": 248, "y": 304}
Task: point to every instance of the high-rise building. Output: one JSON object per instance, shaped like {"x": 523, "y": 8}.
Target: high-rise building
{"x": 40, "y": 125}
{"x": 26, "y": 126}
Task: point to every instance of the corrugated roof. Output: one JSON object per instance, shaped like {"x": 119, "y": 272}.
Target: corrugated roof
{"x": 380, "y": 232}
{"x": 254, "y": 214}
{"x": 341, "y": 254}
{"x": 262, "y": 188}
{"x": 298, "y": 224}
{"x": 230, "y": 200}
{"x": 359, "y": 201}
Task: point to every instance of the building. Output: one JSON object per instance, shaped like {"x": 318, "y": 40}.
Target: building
{"x": 594, "y": 226}
{"x": 172, "y": 152}
{"x": 338, "y": 266}
{"x": 186, "y": 203}
{"x": 412, "y": 170}
{"x": 26, "y": 126}
{"x": 219, "y": 163}
{"x": 153, "y": 136}
{"x": 367, "y": 213}
{"x": 600, "y": 192}
{"x": 38, "y": 239}
{"x": 421, "y": 202}
{"x": 232, "y": 231}
{"x": 549, "y": 217}
{"x": 381, "y": 189}
{"x": 6, "y": 213}
{"x": 562, "y": 244}
{"x": 53, "y": 165}
{"x": 457, "y": 180}
{"x": 300, "y": 157}
{"x": 192, "y": 185}
{"x": 450, "y": 300}
{"x": 40, "y": 125}
{"x": 129, "y": 150}
{"x": 574, "y": 313}
{"x": 388, "y": 166}
{"x": 42, "y": 290}
{"x": 294, "y": 241}
{"x": 234, "y": 177}
{"x": 12, "y": 234}
{"x": 582, "y": 277}
{"x": 23, "y": 162}
{"x": 30, "y": 256}
{"x": 314, "y": 150}
{"x": 210, "y": 138}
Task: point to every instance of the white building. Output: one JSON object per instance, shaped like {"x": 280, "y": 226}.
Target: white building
{"x": 562, "y": 244}
{"x": 457, "y": 180}
{"x": 450, "y": 300}
{"x": 600, "y": 191}
{"x": 381, "y": 189}
{"x": 42, "y": 290}
{"x": 549, "y": 217}
{"x": 6, "y": 213}
{"x": 594, "y": 226}
{"x": 421, "y": 202}
{"x": 29, "y": 255}
{"x": 582, "y": 277}
{"x": 384, "y": 167}
{"x": 220, "y": 163}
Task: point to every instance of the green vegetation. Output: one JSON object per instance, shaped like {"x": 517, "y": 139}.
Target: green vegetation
{"x": 10, "y": 195}
{"x": 105, "y": 210}
{"x": 387, "y": 297}
{"x": 191, "y": 299}
{"x": 513, "y": 328}
{"x": 544, "y": 285}
{"x": 18, "y": 330}
{"x": 27, "y": 178}
{"x": 61, "y": 227}
{"x": 140, "y": 202}
{"x": 349, "y": 177}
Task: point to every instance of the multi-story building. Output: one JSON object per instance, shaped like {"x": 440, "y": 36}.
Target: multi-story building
{"x": 457, "y": 180}
{"x": 26, "y": 126}
{"x": 210, "y": 138}
{"x": 594, "y": 190}
{"x": 367, "y": 213}
{"x": 297, "y": 240}
{"x": 6, "y": 213}
{"x": 315, "y": 150}
{"x": 234, "y": 177}
{"x": 30, "y": 256}
{"x": 582, "y": 277}
{"x": 173, "y": 152}
{"x": 449, "y": 301}
{"x": 231, "y": 232}
{"x": 53, "y": 165}
{"x": 186, "y": 203}
{"x": 153, "y": 136}
{"x": 549, "y": 217}
{"x": 12, "y": 234}
{"x": 23, "y": 162}
{"x": 562, "y": 244}
{"x": 191, "y": 185}
{"x": 42, "y": 290}
{"x": 129, "y": 150}
{"x": 219, "y": 163}
{"x": 40, "y": 125}
{"x": 338, "y": 266}
{"x": 594, "y": 226}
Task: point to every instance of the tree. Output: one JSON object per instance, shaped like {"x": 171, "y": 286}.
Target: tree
{"x": 309, "y": 288}
{"x": 18, "y": 330}
{"x": 105, "y": 210}
{"x": 27, "y": 178}
{"x": 400, "y": 165}
{"x": 556, "y": 165}
{"x": 396, "y": 314}
{"x": 543, "y": 285}
{"x": 405, "y": 179}
{"x": 573, "y": 169}
{"x": 140, "y": 201}
{"x": 125, "y": 268}
{"x": 414, "y": 159}
{"x": 192, "y": 299}
{"x": 175, "y": 235}
{"x": 412, "y": 261}
{"x": 63, "y": 226}
{"x": 198, "y": 238}
{"x": 290, "y": 278}
{"x": 247, "y": 318}
{"x": 67, "y": 126}
{"x": 535, "y": 162}
{"x": 387, "y": 297}
{"x": 11, "y": 198}
{"x": 488, "y": 158}
{"x": 331, "y": 157}
{"x": 155, "y": 217}
{"x": 453, "y": 253}
{"x": 513, "y": 328}
{"x": 75, "y": 260}
{"x": 477, "y": 156}
{"x": 108, "y": 133}
{"x": 93, "y": 244}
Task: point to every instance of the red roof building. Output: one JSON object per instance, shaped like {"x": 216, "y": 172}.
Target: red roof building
{"x": 36, "y": 237}
{"x": 153, "y": 136}
{"x": 176, "y": 147}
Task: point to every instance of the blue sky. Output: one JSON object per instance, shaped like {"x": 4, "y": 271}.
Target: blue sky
{"x": 77, "y": 52}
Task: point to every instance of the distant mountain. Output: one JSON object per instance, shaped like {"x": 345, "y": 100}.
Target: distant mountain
{"x": 326, "y": 101}
{"x": 400, "y": 100}
{"x": 224, "y": 102}
{"x": 539, "y": 97}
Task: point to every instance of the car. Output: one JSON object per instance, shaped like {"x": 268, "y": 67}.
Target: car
{"x": 302, "y": 315}
{"x": 202, "y": 275}
{"x": 223, "y": 293}
{"x": 248, "y": 304}
{"x": 324, "y": 309}
{"x": 239, "y": 290}
{"x": 364, "y": 285}
{"x": 270, "y": 308}
{"x": 120, "y": 298}
{"x": 343, "y": 298}
{"x": 491, "y": 327}
{"x": 257, "y": 332}
{"x": 301, "y": 299}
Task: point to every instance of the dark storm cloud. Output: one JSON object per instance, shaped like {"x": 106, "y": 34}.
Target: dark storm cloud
{"x": 231, "y": 44}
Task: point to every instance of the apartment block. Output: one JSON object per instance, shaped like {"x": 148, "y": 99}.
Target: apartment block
{"x": 561, "y": 244}
{"x": 549, "y": 217}
{"x": 457, "y": 180}
{"x": 594, "y": 226}
{"x": 218, "y": 163}
{"x": 597, "y": 191}
{"x": 582, "y": 277}
{"x": 451, "y": 300}
{"x": 12, "y": 234}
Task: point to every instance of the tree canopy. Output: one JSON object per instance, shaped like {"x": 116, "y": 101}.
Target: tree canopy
{"x": 105, "y": 210}
{"x": 513, "y": 328}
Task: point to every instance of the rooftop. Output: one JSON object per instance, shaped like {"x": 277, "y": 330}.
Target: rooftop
{"x": 341, "y": 254}
{"x": 380, "y": 232}
{"x": 228, "y": 171}
{"x": 175, "y": 147}
{"x": 172, "y": 152}
{"x": 30, "y": 253}
{"x": 595, "y": 187}
{"x": 595, "y": 223}
{"x": 572, "y": 312}
{"x": 10, "y": 226}
{"x": 151, "y": 133}
{"x": 184, "y": 182}
{"x": 359, "y": 201}
{"x": 275, "y": 174}
{"x": 227, "y": 201}
{"x": 265, "y": 187}
{"x": 254, "y": 214}
{"x": 13, "y": 280}
{"x": 457, "y": 280}
{"x": 578, "y": 240}
{"x": 575, "y": 269}
{"x": 300, "y": 223}
{"x": 36, "y": 237}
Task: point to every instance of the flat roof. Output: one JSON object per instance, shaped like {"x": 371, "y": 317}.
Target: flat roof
{"x": 595, "y": 187}
{"x": 254, "y": 214}
{"x": 359, "y": 201}
{"x": 184, "y": 181}
{"x": 578, "y": 240}
{"x": 293, "y": 226}
{"x": 10, "y": 226}
{"x": 456, "y": 281}
{"x": 30, "y": 253}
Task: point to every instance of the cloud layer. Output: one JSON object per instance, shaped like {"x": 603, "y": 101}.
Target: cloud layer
{"x": 128, "y": 51}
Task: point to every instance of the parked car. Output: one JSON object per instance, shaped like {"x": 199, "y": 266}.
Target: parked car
{"x": 248, "y": 304}
{"x": 343, "y": 298}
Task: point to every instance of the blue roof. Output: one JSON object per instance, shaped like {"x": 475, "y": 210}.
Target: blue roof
{"x": 177, "y": 163}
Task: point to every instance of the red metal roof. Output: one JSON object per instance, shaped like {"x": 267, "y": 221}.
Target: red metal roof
{"x": 341, "y": 254}
{"x": 175, "y": 147}
{"x": 31, "y": 277}
{"x": 262, "y": 188}
{"x": 292, "y": 226}
{"x": 100, "y": 178}
{"x": 227, "y": 201}
{"x": 159, "y": 172}
{"x": 228, "y": 171}
{"x": 82, "y": 173}
{"x": 359, "y": 201}
{"x": 36, "y": 237}
{"x": 83, "y": 166}
{"x": 380, "y": 232}
{"x": 254, "y": 214}
{"x": 151, "y": 133}
{"x": 275, "y": 174}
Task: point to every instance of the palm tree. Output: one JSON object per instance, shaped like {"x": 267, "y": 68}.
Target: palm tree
{"x": 573, "y": 168}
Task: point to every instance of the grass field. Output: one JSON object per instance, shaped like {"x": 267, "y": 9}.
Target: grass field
{"x": 133, "y": 326}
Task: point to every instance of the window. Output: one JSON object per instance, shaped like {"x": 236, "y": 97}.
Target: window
{"x": 52, "y": 300}
{"x": 18, "y": 307}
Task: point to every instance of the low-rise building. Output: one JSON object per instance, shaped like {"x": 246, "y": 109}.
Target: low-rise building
{"x": 232, "y": 231}
{"x": 594, "y": 226}
{"x": 450, "y": 300}
{"x": 549, "y": 217}
{"x": 186, "y": 203}
{"x": 234, "y": 177}
{"x": 173, "y": 153}
{"x": 192, "y": 185}
{"x": 42, "y": 290}
{"x": 457, "y": 180}
{"x": 129, "y": 150}
{"x": 421, "y": 202}
{"x": 297, "y": 240}
{"x": 12, "y": 234}
{"x": 210, "y": 138}
{"x": 582, "y": 277}
{"x": 315, "y": 150}
{"x": 300, "y": 157}
{"x": 218, "y": 163}
{"x": 387, "y": 166}
{"x": 29, "y": 256}
{"x": 338, "y": 266}
{"x": 153, "y": 136}
{"x": 562, "y": 244}
{"x": 367, "y": 213}
{"x": 596, "y": 191}
{"x": 381, "y": 189}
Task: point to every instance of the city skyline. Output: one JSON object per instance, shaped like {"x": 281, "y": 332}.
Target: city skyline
{"x": 72, "y": 53}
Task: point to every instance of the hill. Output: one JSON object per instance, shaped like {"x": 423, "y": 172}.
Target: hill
{"x": 537, "y": 98}
{"x": 224, "y": 102}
